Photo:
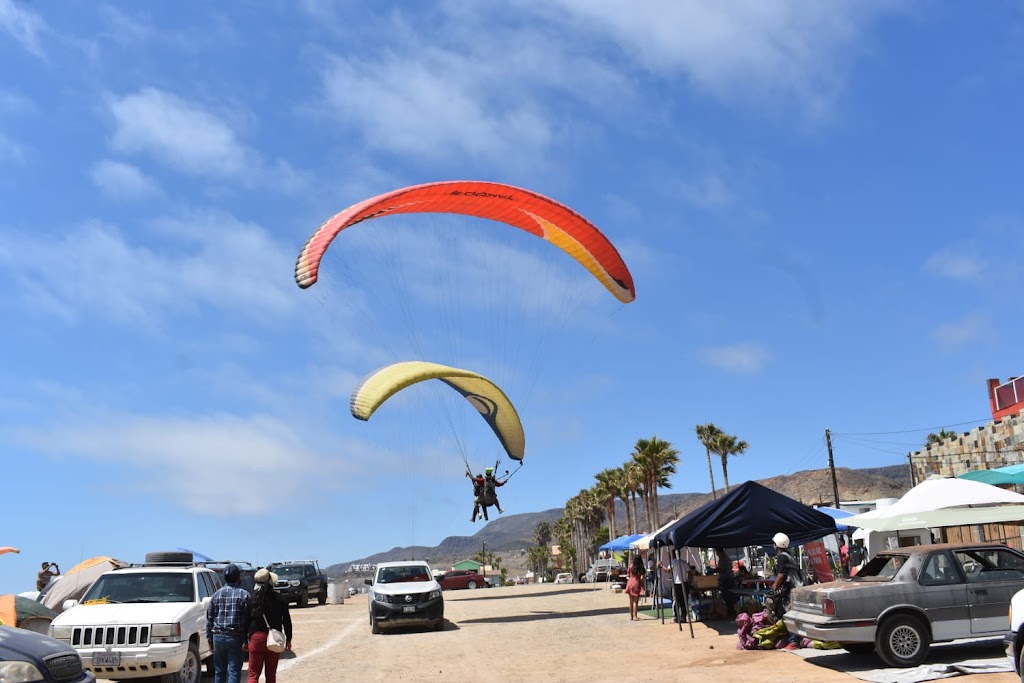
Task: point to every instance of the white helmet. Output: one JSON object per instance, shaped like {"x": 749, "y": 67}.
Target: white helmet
{"x": 781, "y": 540}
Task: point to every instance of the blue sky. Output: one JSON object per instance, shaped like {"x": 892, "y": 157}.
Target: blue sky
{"x": 819, "y": 202}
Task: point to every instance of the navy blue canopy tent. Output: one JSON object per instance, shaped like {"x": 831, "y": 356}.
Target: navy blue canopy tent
{"x": 748, "y": 515}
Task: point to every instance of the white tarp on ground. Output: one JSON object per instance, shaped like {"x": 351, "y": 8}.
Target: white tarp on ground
{"x": 944, "y": 502}
{"x": 946, "y": 660}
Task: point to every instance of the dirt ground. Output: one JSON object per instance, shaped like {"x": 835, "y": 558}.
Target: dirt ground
{"x": 539, "y": 633}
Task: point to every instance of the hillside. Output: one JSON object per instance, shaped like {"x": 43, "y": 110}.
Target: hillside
{"x": 508, "y": 536}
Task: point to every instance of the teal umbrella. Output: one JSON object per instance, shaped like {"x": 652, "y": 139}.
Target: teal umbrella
{"x": 1011, "y": 474}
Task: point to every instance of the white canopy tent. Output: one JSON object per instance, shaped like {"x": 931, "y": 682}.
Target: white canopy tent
{"x": 942, "y": 503}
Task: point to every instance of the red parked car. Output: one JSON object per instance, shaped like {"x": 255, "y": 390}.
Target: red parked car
{"x": 461, "y": 578}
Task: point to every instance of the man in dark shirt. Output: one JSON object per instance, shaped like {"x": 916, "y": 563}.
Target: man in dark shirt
{"x": 227, "y": 626}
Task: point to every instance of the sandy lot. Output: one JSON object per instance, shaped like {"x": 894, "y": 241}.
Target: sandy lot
{"x": 543, "y": 633}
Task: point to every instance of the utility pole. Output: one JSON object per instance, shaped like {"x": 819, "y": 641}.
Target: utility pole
{"x": 483, "y": 563}
{"x": 832, "y": 467}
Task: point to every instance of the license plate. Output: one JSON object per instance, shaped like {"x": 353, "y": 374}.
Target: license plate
{"x": 408, "y": 608}
{"x": 107, "y": 659}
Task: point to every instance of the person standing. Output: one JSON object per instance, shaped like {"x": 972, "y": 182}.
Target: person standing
{"x": 726, "y": 582}
{"x": 680, "y": 571}
{"x": 227, "y": 624}
{"x": 269, "y": 610}
{"x": 635, "y": 586}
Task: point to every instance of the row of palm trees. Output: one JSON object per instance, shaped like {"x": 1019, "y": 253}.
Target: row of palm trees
{"x": 651, "y": 464}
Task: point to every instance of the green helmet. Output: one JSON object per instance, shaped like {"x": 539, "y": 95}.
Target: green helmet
{"x": 489, "y": 470}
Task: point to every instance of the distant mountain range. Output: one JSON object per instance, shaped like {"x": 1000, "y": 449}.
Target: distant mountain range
{"x": 509, "y": 535}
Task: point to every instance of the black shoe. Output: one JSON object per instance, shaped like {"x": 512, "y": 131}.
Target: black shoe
{"x": 472, "y": 519}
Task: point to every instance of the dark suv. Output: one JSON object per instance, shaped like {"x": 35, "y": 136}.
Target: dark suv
{"x": 29, "y": 656}
{"x": 300, "y": 581}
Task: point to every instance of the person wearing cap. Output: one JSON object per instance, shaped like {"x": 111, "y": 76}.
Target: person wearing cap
{"x": 269, "y": 610}
{"x": 227, "y": 625}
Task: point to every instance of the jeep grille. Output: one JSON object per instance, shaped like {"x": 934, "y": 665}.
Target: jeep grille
{"x": 103, "y": 636}
{"x": 64, "y": 667}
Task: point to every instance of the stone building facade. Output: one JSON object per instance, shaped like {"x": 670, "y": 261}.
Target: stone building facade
{"x": 997, "y": 444}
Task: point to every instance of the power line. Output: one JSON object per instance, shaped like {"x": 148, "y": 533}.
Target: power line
{"x": 909, "y": 431}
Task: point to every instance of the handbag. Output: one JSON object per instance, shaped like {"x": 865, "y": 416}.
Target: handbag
{"x": 275, "y": 639}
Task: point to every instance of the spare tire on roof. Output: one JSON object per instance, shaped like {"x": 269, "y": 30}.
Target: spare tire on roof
{"x": 169, "y": 557}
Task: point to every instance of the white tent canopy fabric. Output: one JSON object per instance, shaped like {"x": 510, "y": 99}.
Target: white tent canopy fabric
{"x": 944, "y": 502}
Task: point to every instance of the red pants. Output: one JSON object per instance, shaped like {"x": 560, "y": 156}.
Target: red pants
{"x": 260, "y": 655}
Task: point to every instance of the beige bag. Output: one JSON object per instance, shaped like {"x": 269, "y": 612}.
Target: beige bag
{"x": 275, "y": 639}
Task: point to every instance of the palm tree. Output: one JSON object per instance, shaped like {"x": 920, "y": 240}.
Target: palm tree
{"x": 658, "y": 460}
{"x": 542, "y": 534}
{"x": 706, "y": 434}
{"x": 940, "y": 437}
{"x": 608, "y": 489}
{"x": 726, "y": 445}
{"x": 634, "y": 476}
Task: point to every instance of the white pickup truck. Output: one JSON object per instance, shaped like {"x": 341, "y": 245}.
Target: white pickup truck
{"x": 143, "y": 621}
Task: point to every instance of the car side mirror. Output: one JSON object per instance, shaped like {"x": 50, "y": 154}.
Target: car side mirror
{"x": 206, "y": 600}
{"x": 68, "y": 604}
{"x": 368, "y": 582}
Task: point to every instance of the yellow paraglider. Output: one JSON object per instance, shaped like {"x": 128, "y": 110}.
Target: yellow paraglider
{"x": 483, "y": 394}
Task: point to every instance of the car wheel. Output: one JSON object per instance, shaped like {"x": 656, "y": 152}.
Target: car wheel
{"x": 374, "y": 626}
{"x": 902, "y": 641}
{"x": 1020, "y": 665}
{"x": 189, "y": 671}
{"x": 471, "y": 585}
{"x": 859, "y": 648}
{"x": 304, "y": 599}
{"x": 322, "y": 598}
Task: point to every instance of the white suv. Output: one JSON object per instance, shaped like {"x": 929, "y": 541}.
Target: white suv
{"x": 405, "y": 594}
{"x": 143, "y": 620}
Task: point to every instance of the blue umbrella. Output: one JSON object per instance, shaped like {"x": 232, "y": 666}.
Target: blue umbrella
{"x": 196, "y": 557}
{"x": 836, "y": 514}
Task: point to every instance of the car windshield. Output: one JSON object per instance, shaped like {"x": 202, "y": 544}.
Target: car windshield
{"x": 288, "y": 572}
{"x": 399, "y": 574}
{"x": 882, "y": 567}
{"x": 139, "y": 587}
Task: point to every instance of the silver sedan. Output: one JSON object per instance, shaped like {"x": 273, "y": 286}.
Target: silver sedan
{"x": 905, "y": 599}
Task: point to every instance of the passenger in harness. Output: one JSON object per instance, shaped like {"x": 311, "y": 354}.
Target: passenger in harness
{"x": 484, "y": 494}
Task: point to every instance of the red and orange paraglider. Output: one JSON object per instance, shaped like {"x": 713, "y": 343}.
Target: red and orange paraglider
{"x": 523, "y": 209}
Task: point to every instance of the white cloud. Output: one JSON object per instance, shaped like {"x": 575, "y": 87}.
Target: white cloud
{"x": 122, "y": 181}
{"x": 191, "y": 138}
{"x": 744, "y": 358}
{"x": 412, "y": 105}
{"x": 734, "y": 50}
{"x": 956, "y": 334}
{"x": 22, "y": 25}
{"x": 182, "y": 134}
{"x": 956, "y": 264}
{"x": 706, "y": 192}
{"x": 220, "y": 465}
{"x": 207, "y": 260}
{"x": 9, "y": 149}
